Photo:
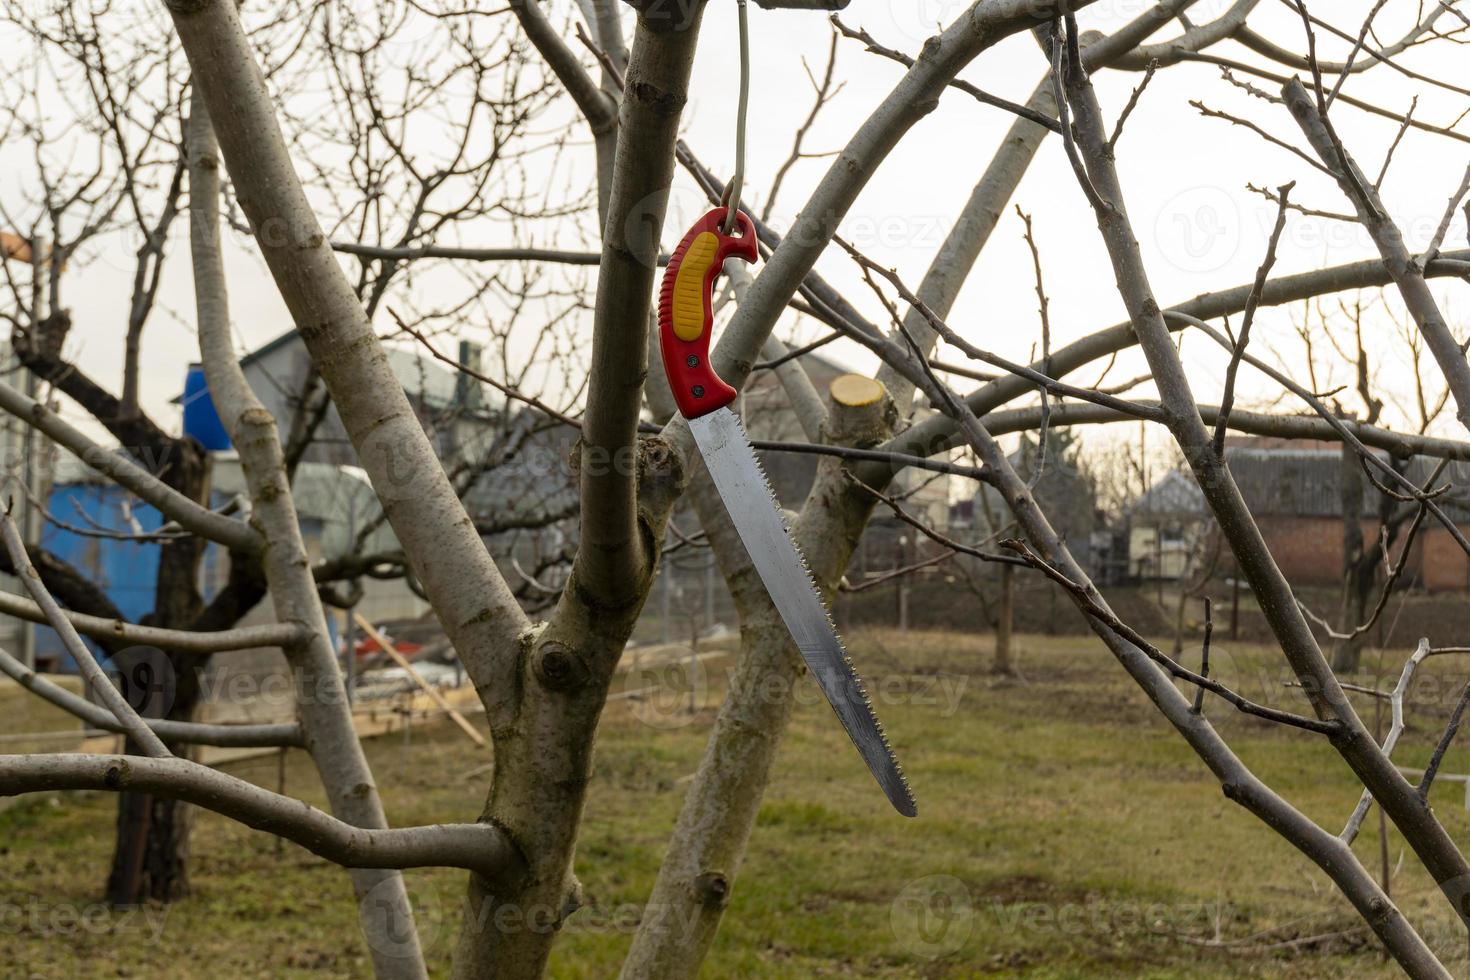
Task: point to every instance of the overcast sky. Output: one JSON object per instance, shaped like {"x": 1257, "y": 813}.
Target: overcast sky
{"x": 1185, "y": 177}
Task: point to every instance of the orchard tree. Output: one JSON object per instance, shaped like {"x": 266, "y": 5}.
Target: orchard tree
{"x": 544, "y": 678}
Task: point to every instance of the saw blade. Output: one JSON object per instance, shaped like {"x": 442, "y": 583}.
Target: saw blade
{"x": 756, "y": 514}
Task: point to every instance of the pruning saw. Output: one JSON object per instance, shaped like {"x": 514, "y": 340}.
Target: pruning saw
{"x": 685, "y": 322}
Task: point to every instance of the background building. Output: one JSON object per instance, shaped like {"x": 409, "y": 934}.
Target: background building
{"x": 1296, "y": 490}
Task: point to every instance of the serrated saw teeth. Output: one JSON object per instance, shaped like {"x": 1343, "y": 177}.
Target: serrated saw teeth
{"x": 850, "y": 674}
{"x": 740, "y": 480}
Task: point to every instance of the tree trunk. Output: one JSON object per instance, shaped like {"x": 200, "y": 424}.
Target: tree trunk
{"x": 1180, "y": 608}
{"x": 1348, "y": 654}
{"x": 150, "y": 860}
{"x": 1005, "y": 620}
{"x": 385, "y": 915}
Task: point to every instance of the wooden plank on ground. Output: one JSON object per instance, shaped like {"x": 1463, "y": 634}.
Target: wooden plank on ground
{"x": 423, "y": 685}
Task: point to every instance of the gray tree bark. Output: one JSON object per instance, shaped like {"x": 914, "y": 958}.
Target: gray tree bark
{"x": 325, "y": 712}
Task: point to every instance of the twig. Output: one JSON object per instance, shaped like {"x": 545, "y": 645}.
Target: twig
{"x": 603, "y": 59}
{"x": 978, "y": 94}
{"x": 889, "y": 576}
{"x": 1395, "y": 729}
{"x": 505, "y": 389}
{"x": 511, "y": 253}
{"x": 1394, "y": 571}
{"x": 1444, "y": 222}
{"x": 1398, "y": 138}
{"x": 1447, "y": 738}
{"x": 1042, "y": 308}
{"x": 961, "y": 371}
{"x": 825, "y": 93}
{"x": 1239, "y": 66}
{"x": 1349, "y": 172}
{"x": 1148, "y": 76}
{"x": 1347, "y": 65}
{"x": 792, "y": 353}
{"x": 896, "y": 460}
{"x": 949, "y": 335}
{"x": 1204, "y": 656}
{"x": 1227, "y": 400}
{"x": 1406, "y": 272}
{"x": 1060, "y": 49}
{"x": 136, "y": 728}
{"x": 1298, "y": 208}
{"x": 1209, "y": 113}
{"x": 933, "y": 535}
{"x": 1091, "y": 607}
{"x": 1344, "y": 432}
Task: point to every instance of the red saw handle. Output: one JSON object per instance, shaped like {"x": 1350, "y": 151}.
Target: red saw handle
{"x": 684, "y": 316}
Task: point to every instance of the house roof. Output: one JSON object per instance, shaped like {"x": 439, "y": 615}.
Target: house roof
{"x": 1294, "y": 482}
{"x": 289, "y": 337}
{"x": 536, "y": 481}
{"x": 1175, "y": 495}
{"x": 1300, "y": 482}
{"x": 419, "y": 373}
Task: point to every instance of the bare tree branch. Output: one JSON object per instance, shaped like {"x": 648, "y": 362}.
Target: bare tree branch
{"x": 187, "y": 641}
{"x": 197, "y": 733}
{"x": 325, "y": 711}
{"x": 1401, "y": 265}
{"x": 233, "y": 533}
{"x": 87, "y": 665}
{"x": 477, "y": 847}
{"x": 1227, "y": 400}
{"x": 477, "y": 608}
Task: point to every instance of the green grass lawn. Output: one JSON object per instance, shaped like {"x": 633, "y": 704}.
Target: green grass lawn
{"x": 1064, "y": 831}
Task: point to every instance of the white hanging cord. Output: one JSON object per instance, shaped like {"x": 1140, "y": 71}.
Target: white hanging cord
{"x": 731, "y": 197}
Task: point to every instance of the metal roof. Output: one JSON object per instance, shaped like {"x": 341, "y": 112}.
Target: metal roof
{"x": 1175, "y": 495}
{"x": 1296, "y": 482}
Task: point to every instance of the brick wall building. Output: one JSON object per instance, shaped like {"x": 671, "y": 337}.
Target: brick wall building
{"x": 1295, "y": 492}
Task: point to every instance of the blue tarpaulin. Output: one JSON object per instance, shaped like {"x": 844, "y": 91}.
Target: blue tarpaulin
{"x": 126, "y": 570}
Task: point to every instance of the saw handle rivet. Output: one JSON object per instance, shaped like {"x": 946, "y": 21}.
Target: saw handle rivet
{"x": 692, "y": 360}
{"x": 697, "y": 391}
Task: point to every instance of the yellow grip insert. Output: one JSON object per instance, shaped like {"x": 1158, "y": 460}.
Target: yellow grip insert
{"x": 688, "y": 300}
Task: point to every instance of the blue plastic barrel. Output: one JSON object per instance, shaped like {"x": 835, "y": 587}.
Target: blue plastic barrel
{"x": 200, "y": 419}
